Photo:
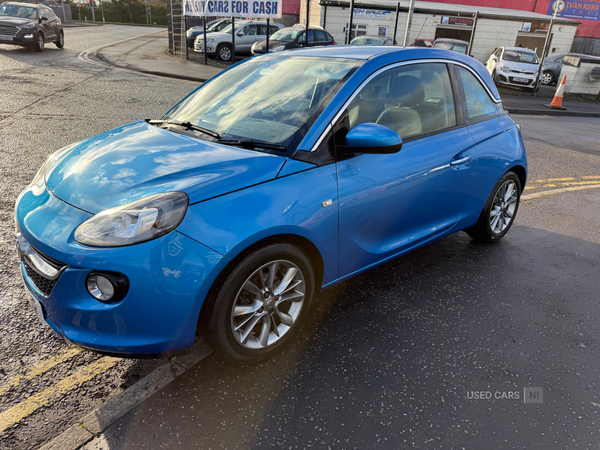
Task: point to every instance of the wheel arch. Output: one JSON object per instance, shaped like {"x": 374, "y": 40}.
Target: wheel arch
{"x": 300, "y": 242}
{"x": 521, "y": 173}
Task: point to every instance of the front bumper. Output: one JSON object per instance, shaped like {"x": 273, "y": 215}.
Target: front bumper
{"x": 24, "y": 37}
{"x": 200, "y": 47}
{"x": 515, "y": 79}
{"x": 169, "y": 278}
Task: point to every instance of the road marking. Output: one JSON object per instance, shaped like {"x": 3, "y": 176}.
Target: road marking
{"x": 549, "y": 185}
{"x": 557, "y": 191}
{"x": 560, "y": 179}
{"x": 594, "y": 177}
{"x": 580, "y": 183}
{"x": 41, "y": 368}
{"x": 18, "y": 412}
{"x": 529, "y": 187}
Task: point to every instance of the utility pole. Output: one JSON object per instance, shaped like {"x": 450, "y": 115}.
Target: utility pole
{"x": 102, "y": 10}
{"x": 146, "y": 4}
{"x": 396, "y": 24}
{"x": 556, "y": 5}
{"x": 409, "y": 23}
{"x": 307, "y": 13}
{"x": 349, "y": 35}
{"x": 472, "y": 32}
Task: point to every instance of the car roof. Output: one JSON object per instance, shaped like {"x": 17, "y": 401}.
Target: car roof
{"x": 30, "y": 5}
{"x": 519, "y": 49}
{"x": 368, "y": 36}
{"x": 456, "y": 41}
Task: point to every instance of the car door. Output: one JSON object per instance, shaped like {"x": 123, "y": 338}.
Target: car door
{"x": 244, "y": 43}
{"x": 390, "y": 203}
{"x": 52, "y": 23}
{"x": 45, "y": 24}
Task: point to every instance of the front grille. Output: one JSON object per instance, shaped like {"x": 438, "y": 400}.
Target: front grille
{"x": 42, "y": 284}
{"x": 8, "y": 31}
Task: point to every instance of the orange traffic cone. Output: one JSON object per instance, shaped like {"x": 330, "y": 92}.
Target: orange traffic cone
{"x": 556, "y": 102}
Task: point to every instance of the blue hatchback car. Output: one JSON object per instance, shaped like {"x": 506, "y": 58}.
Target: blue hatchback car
{"x": 282, "y": 176}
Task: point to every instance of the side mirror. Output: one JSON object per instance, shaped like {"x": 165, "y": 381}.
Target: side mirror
{"x": 372, "y": 138}
{"x": 494, "y": 58}
{"x": 241, "y": 33}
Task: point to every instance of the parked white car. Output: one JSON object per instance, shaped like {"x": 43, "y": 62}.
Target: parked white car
{"x": 513, "y": 66}
{"x": 247, "y": 32}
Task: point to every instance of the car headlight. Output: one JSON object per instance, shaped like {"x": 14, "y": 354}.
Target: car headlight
{"x": 39, "y": 176}
{"x": 139, "y": 221}
{"x": 28, "y": 26}
{"x": 277, "y": 49}
{"x": 504, "y": 68}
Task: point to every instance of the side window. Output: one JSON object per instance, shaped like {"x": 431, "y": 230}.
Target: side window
{"x": 273, "y": 29}
{"x": 302, "y": 38}
{"x": 42, "y": 13}
{"x": 320, "y": 36}
{"x": 262, "y": 30}
{"x": 311, "y": 36}
{"x": 250, "y": 30}
{"x": 412, "y": 100}
{"x": 479, "y": 103}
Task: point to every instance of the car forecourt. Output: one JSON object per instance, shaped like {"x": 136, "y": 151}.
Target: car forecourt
{"x": 490, "y": 29}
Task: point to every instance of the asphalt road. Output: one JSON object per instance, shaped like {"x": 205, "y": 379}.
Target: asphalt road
{"x": 388, "y": 359}
{"x": 49, "y": 100}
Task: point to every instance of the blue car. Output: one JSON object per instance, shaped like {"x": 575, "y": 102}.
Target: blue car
{"x": 280, "y": 177}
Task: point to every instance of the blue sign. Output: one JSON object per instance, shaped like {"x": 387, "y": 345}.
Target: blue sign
{"x": 575, "y": 10}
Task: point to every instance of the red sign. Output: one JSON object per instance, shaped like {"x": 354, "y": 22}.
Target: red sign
{"x": 457, "y": 21}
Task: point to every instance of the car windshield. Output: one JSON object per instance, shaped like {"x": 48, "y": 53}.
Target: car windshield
{"x": 24, "y": 12}
{"x": 286, "y": 35}
{"x": 523, "y": 57}
{"x": 273, "y": 100}
{"x": 460, "y": 48}
{"x": 367, "y": 41}
{"x": 215, "y": 26}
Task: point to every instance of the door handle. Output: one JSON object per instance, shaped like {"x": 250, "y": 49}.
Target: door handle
{"x": 458, "y": 162}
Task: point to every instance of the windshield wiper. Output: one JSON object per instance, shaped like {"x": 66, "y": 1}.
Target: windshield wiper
{"x": 251, "y": 144}
{"x": 186, "y": 125}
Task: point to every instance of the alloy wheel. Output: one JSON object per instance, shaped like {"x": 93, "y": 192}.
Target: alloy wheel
{"x": 546, "y": 78}
{"x": 225, "y": 53}
{"x": 503, "y": 207}
{"x": 268, "y": 304}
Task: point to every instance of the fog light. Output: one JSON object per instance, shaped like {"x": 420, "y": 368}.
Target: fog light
{"x": 28, "y": 36}
{"x": 107, "y": 287}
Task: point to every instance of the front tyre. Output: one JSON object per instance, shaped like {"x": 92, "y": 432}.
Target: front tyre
{"x": 60, "y": 42}
{"x": 261, "y": 304}
{"x": 547, "y": 78}
{"x": 38, "y": 46}
{"x": 499, "y": 211}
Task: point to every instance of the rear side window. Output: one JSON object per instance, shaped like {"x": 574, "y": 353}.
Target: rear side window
{"x": 478, "y": 102}
{"x": 320, "y": 36}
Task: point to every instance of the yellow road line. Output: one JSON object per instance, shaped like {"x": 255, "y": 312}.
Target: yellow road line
{"x": 549, "y": 185}
{"x": 540, "y": 181}
{"x": 580, "y": 183}
{"x": 529, "y": 187}
{"x": 41, "y": 368}
{"x": 591, "y": 177}
{"x": 560, "y": 179}
{"x": 18, "y": 412}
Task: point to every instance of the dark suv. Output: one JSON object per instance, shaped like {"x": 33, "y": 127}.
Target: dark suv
{"x": 30, "y": 25}
{"x": 294, "y": 37}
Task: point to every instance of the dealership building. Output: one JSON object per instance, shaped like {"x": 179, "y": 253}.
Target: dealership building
{"x": 490, "y": 27}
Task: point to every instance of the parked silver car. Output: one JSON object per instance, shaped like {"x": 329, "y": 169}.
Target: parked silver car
{"x": 247, "y": 32}
{"x": 513, "y": 66}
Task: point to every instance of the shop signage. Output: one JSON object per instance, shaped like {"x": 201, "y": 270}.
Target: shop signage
{"x": 575, "y": 10}
{"x": 233, "y": 8}
{"x": 457, "y": 21}
{"x": 371, "y": 13}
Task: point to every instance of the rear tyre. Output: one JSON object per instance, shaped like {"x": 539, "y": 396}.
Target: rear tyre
{"x": 260, "y": 305}
{"x": 38, "y": 46}
{"x": 224, "y": 52}
{"x": 60, "y": 42}
{"x": 499, "y": 211}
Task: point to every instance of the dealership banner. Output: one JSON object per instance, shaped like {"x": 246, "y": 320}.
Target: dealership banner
{"x": 233, "y": 8}
{"x": 575, "y": 10}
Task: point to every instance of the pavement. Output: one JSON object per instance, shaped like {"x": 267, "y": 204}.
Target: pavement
{"x": 148, "y": 54}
